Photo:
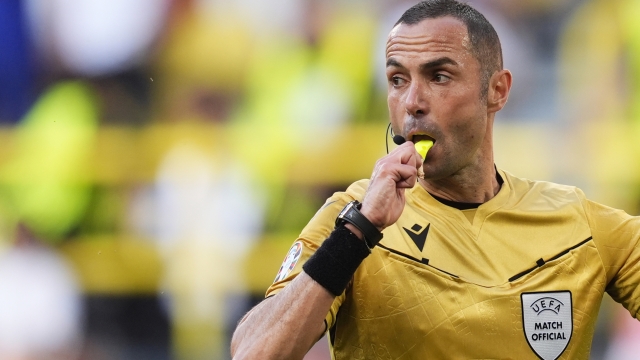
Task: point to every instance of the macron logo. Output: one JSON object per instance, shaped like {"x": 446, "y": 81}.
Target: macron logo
{"x": 419, "y": 238}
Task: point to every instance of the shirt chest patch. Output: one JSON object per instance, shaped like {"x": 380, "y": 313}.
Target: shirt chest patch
{"x": 547, "y": 319}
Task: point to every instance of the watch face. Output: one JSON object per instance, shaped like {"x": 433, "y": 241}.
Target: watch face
{"x": 346, "y": 210}
{"x": 340, "y": 218}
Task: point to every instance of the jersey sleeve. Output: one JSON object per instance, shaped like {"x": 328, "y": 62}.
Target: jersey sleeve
{"x": 310, "y": 239}
{"x": 617, "y": 237}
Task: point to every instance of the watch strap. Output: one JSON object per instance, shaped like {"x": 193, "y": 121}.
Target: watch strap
{"x": 351, "y": 214}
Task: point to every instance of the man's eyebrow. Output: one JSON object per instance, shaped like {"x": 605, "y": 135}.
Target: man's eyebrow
{"x": 391, "y": 62}
{"x": 437, "y": 63}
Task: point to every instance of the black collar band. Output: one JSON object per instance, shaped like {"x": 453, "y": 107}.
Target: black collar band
{"x": 464, "y": 205}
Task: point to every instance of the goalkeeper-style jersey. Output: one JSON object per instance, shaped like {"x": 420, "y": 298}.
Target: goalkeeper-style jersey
{"x": 520, "y": 277}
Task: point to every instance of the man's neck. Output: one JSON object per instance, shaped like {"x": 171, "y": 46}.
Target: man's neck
{"x": 465, "y": 186}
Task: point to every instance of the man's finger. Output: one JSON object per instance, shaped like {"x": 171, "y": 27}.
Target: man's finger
{"x": 397, "y": 172}
{"x": 408, "y": 175}
{"x": 406, "y": 154}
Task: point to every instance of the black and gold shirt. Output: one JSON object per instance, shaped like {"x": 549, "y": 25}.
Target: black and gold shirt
{"x": 520, "y": 277}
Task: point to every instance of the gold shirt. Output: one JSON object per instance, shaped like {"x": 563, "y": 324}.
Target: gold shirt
{"x": 439, "y": 286}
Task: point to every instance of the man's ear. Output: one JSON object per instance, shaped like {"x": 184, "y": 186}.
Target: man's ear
{"x": 498, "y": 93}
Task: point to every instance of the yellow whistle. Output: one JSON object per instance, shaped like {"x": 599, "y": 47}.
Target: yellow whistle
{"x": 423, "y": 147}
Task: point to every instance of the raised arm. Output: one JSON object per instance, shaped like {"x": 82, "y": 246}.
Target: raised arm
{"x": 286, "y": 326}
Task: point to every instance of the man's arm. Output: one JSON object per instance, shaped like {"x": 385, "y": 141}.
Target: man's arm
{"x": 287, "y": 325}
{"x": 284, "y": 326}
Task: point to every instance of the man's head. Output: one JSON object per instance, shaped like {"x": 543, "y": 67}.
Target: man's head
{"x": 484, "y": 41}
{"x": 445, "y": 83}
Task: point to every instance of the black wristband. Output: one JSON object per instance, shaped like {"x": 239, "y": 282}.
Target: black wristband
{"x": 336, "y": 260}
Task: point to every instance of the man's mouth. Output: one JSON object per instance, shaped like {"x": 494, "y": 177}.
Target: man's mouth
{"x": 417, "y": 137}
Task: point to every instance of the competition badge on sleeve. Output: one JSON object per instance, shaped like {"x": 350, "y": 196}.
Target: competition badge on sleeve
{"x": 290, "y": 261}
{"x": 548, "y": 322}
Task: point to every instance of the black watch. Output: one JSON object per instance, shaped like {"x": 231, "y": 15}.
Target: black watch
{"x": 351, "y": 214}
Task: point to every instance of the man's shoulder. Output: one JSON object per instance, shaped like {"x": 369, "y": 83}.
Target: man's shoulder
{"x": 528, "y": 187}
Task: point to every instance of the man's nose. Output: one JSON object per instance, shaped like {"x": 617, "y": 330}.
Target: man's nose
{"x": 415, "y": 101}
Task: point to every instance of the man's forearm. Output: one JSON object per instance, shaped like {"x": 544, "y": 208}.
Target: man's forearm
{"x": 284, "y": 326}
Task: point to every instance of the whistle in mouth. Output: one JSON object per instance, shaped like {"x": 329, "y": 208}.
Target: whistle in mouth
{"x": 423, "y": 147}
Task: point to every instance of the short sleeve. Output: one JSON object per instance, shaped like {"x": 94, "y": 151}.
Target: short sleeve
{"x": 310, "y": 239}
{"x": 617, "y": 236}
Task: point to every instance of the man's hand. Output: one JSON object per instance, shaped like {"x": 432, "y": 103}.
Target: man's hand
{"x": 384, "y": 200}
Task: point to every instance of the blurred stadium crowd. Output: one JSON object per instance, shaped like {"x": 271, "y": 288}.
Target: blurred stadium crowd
{"x": 158, "y": 157}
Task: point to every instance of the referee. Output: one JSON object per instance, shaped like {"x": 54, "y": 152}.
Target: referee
{"x": 447, "y": 256}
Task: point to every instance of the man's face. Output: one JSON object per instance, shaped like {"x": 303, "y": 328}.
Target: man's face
{"x": 435, "y": 92}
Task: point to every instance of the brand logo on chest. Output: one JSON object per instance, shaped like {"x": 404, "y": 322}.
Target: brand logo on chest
{"x": 418, "y": 238}
{"x": 547, "y": 322}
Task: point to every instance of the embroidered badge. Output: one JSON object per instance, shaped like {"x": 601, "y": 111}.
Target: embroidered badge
{"x": 290, "y": 261}
{"x": 547, "y": 319}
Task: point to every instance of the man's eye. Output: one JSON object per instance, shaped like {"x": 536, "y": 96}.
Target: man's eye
{"x": 397, "y": 81}
{"x": 440, "y": 78}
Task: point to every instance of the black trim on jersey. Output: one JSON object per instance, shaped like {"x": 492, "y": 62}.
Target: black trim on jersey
{"x": 446, "y": 272}
{"x": 456, "y": 204}
{"x": 464, "y": 205}
{"x": 332, "y": 332}
{"x": 422, "y": 261}
{"x": 326, "y": 327}
{"x": 541, "y": 261}
{"x": 571, "y": 248}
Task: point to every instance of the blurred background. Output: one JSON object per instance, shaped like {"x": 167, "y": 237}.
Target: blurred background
{"x": 159, "y": 157}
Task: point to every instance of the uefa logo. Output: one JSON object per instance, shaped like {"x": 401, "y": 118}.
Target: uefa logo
{"x": 548, "y": 322}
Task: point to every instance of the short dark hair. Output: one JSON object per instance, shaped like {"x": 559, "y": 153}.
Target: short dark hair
{"x": 485, "y": 44}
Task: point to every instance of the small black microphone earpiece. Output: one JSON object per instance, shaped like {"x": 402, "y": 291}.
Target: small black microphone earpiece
{"x": 399, "y": 140}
